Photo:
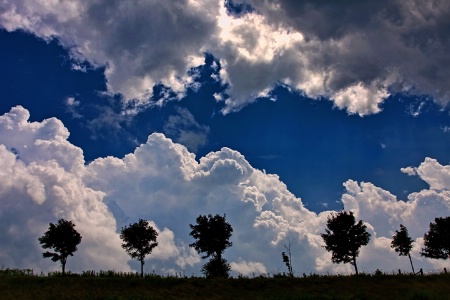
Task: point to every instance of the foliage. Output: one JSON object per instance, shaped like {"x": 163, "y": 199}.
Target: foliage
{"x": 437, "y": 240}
{"x": 16, "y": 272}
{"x": 287, "y": 259}
{"x": 402, "y": 243}
{"x": 139, "y": 239}
{"x": 216, "y": 267}
{"x": 63, "y": 238}
{"x": 212, "y": 234}
{"x": 344, "y": 238}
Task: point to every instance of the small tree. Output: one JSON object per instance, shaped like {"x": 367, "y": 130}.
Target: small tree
{"x": 139, "y": 239}
{"x": 216, "y": 267}
{"x": 344, "y": 238}
{"x": 212, "y": 235}
{"x": 437, "y": 240}
{"x": 287, "y": 259}
{"x": 63, "y": 238}
{"x": 402, "y": 243}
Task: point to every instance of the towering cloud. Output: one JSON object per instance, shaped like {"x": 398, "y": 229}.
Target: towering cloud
{"x": 40, "y": 182}
{"x": 355, "y": 53}
{"x": 43, "y": 178}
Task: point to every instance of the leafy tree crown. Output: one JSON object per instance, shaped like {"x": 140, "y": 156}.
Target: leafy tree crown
{"x": 402, "y": 242}
{"x": 216, "y": 267}
{"x": 437, "y": 240}
{"x": 139, "y": 239}
{"x": 62, "y": 238}
{"x": 212, "y": 234}
{"x": 344, "y": 238}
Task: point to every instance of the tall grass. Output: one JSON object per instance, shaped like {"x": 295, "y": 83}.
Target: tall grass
{"x": 25, "y": 284}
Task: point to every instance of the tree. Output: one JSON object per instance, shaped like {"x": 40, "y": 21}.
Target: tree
{"x": 212, "y": 235}
{"x": 139, "y": 239}
{"x": 63, "y": 238}
{"x": 344, "y": 238}
{"x": 287, "y": 259}
{"x": 402, "y": 243}
{"x": 216, "y": 267}
{"x": 437, "y": 240}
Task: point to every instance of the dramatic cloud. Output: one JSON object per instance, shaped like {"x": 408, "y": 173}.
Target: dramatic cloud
{"x": 40, "y": 183}
{"x": 43, "y": 178}
{"x": 384, "y": 212}
{"x": 141, "y": 43}
{"x": 354, "y": 53}
{"x": 369, "y": 48}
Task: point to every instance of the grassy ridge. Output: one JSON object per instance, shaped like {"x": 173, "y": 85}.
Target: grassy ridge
{"x": 156, "y": 287}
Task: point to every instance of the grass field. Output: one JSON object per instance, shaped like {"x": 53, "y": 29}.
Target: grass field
{"x": 110, "y": 285}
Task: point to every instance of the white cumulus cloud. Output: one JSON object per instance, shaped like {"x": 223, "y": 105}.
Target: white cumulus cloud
{"x": 40, "y": 183}
{"x": 161, "y": 181}
{"x": 248, "y": 268}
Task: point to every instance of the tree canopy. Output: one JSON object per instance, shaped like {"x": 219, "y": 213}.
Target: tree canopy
{"x": 63, "y": 239}
{"x": 437, "y": 240}
{"x": 139, "y": 239}
{"x": 402, "y": 243}
{"x": 216, "y": 267}
{"x": 344, "y": 238}
{"x": 212, "y": 234}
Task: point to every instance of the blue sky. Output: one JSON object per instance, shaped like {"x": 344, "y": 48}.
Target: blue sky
{"x": 310, "y": 144}
{"x": 322, "y": 107}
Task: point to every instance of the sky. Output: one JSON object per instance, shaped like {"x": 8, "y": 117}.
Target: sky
{"x": 276, "y": 113}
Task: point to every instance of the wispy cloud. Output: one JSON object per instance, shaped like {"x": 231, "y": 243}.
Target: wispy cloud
{"x": 184, "y": 129}
{"x": 72, "y": 106}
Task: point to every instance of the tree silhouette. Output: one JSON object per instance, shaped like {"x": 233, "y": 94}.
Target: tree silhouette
{"x": 212, "y": 235}
{"x": 287, "y": 258}
{"x": 437, "y": 240}
{"x": 63, "y": 239}
{"x": 344, "y": 238}
{"x": 402, "y": 243}
{"x": 216, "y": 267}
{"x": 139, "y": 239}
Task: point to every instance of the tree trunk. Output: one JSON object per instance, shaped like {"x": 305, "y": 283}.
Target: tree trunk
{"x": 354, "y": 264}
{"x": 142, "y": 268}
{"x": 288, "y": 249}
{"x": 411, "y": 264}
{"x": 63, "y": 264}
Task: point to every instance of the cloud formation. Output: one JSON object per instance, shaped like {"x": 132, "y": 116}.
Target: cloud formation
{"x": 432, "y": 172}
{"x": 43, "y": 178}
{"x": 40, "y": 183}
{"x": 372, "y": 48}
{"x": 356, "y": 54}
{"x": 184, "y": 129}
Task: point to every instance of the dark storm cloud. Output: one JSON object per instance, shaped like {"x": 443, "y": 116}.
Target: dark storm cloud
{"x": 356, "y": 53}
{"x": 402, "y": 45}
